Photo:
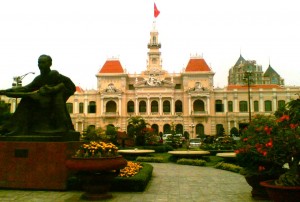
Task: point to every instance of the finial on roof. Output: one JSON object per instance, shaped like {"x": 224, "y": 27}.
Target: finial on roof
{"x": 154, "y": 26}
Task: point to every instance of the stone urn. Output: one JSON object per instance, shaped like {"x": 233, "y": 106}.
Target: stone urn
{"x": 258, "y": 192}
{"x": 96, "y": 174}
{"x": 280, "y": 193}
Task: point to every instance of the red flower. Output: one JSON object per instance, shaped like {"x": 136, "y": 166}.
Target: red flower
{"x": 268, "y": 130}
{"x": 261, "y": 168}
{"x": 283, "y": 118}
{"x": 270, "y": 143}
{"x": 293, "y": 126}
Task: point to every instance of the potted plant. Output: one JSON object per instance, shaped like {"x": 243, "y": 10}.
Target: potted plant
{"x": 286, "y": 151}
{"x": 96, "y": 163}
{"x": 251, "y": 154}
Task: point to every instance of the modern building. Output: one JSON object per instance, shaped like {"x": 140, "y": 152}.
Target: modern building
{"x": 185, "y": 101}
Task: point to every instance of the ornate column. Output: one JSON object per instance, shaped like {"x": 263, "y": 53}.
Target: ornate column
{"x": 189, "y": 107}
{"x": 148, "y": 105}
{"x": 101, "y": 105}
{"x": 76, "y": 107}
{"x": 160, "y": 105}
{"x": 172, "y": 106}
{"x": 235, "y": 103}
{"x": 120, "y": 105}
{"x": 274, "y": 102}
{"x": 225, "y": 104}
{"x": 261, "y": 103}
{"x": 86, "y": 104}
{"x": 136, "y": 106}
{"x": 208, "y": 105}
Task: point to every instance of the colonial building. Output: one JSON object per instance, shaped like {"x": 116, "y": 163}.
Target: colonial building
{"x": 185, "y": 101}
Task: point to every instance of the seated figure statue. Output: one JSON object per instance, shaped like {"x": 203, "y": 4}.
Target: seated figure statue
{"x": 42, "y": 109}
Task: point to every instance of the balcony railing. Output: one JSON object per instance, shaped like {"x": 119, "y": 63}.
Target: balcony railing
{"x": 199, "y": 113}
{"x": 111, "y": 114}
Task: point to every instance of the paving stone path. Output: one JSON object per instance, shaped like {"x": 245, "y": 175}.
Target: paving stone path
{"x": 170, "y": 183}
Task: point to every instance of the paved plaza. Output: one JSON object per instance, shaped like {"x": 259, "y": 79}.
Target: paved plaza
{"x": 170, "y": 183}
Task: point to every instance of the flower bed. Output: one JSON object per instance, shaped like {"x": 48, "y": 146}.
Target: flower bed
{"x": 136, "y": 183}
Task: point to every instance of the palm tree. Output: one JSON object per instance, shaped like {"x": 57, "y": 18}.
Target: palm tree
{"x": 136, "y": 129}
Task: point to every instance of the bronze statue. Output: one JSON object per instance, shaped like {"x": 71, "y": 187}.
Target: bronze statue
{"x": 42, "y": 109}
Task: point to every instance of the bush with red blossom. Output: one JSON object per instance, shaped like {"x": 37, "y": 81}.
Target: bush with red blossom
{"x": 270, "y": 142}
{"x": 254, "y": 146}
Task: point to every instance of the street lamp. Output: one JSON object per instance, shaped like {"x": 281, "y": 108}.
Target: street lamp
{"x": 18, "y": 80}
{"x": 247, "y": 78}
{"x": 18, "y": 83}
{"x": 192, "y": 126}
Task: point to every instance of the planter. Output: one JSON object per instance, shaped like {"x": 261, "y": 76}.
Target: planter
{"x": 97, "y": 174}
{"x": 258, "y": 191}
{"x": 279, "y": 193}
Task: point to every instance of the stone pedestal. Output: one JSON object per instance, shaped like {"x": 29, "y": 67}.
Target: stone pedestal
{"x": 35, "y": 165}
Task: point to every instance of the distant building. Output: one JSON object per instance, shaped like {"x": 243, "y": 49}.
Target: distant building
{"x": 185, "y": 101}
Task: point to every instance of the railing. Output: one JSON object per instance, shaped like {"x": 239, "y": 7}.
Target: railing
{"x": 111, "y": 114}
{"x": 199, "y": 113}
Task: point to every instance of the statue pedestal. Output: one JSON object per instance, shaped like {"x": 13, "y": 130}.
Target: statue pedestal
{"x": 35, "y": 165}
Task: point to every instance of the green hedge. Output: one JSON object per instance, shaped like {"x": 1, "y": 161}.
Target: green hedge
{"x": 137, "y": 183}
{"x": 228, "y": 166}
{"x": 159, "y": 148}
{"x": 193, "y": 162}
{"x": 150, "y": 159}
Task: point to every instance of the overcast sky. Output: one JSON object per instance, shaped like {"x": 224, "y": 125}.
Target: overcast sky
{"x": 80, "y": 35}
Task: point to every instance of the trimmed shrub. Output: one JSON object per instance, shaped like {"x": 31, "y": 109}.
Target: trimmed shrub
{"x": 193, "y": 162}
{"x": 160, "y": 148}
{"x": 150, "y": 159}
{"x": 136, "y": 183}
{"x": 228, "y": 167}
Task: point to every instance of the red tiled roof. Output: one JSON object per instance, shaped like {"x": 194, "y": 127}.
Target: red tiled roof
{"x": 112, "y": 66}
{"x": 253, "y": 86}
{"x": 197, "y": 64}
{"x": 79, "y": 89}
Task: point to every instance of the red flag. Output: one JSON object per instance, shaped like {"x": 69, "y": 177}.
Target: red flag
{"x": 156, "y": 11}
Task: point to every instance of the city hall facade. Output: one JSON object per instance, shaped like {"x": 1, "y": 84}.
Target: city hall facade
{"x": 184, "y": 102}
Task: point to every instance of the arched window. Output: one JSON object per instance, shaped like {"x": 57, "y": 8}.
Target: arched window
{"x": 142, "y": 106}
{"x": 130, "y": 106}
{"x": 243, "y": 106}
{"x": 178, "y": 106}
{"x": 155, "y": 128}
{"x": 167, "y": 129}
{"x": 198, "y": 106}
{"x": 220, "y": 129}
{"x": 154, "y": 106}
{"x": 179, "y": 129}
{"x": 166, "y": 106}
{"x": 111, "y": 106}
{"x": 92, "y": 107}
{"x": 200, "y": 130}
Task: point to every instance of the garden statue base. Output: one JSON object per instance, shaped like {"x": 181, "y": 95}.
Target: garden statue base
{"x": 44, "y": 137}
{"x": 35, "y": 165}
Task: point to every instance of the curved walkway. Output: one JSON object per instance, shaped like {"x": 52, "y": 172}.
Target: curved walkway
{"x": 169, "y": 183}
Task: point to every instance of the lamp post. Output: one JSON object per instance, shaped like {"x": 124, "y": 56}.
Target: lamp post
{"x": 192, "y": 132}
{"x": 18, "y": 83}
{"x": 247, "y": 78}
